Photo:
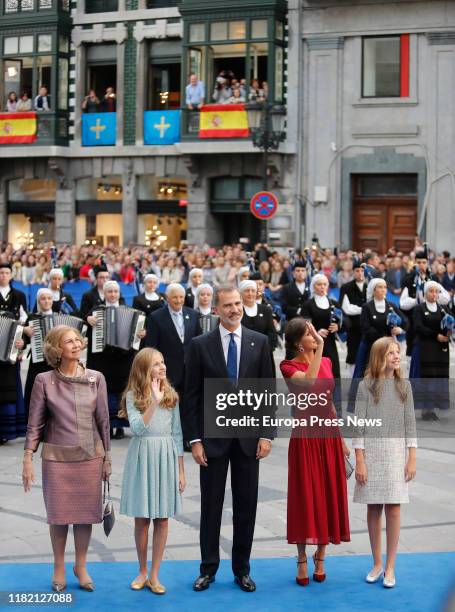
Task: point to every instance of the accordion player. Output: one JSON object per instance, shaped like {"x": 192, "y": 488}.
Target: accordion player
{"x": 10, "y": 332}
{"x": 117, "y": 327}
{"x": 42, "y": 324}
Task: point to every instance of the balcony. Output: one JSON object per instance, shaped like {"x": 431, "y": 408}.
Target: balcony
{"x": 34, "y": 129}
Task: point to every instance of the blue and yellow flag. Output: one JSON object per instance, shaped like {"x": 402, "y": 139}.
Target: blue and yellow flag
{"x": 161, "y": 127}
{"x": 98, "y": 129}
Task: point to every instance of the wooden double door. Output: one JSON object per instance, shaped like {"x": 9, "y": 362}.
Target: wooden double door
{"x": 380, "y": 222}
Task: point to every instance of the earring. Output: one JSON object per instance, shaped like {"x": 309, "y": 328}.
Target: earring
{"x": 301, "y": 349}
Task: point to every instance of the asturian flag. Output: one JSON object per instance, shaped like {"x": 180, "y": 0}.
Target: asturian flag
{"x": 99, "y": 129}
{"x": 161, "y": 127}
{"x": 223, "y": 121}
{"x": 17, "y": 128}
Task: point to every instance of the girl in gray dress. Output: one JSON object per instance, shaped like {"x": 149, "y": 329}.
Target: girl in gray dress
{"x": 385, "y": 451}
{"x": 153, "y": 476}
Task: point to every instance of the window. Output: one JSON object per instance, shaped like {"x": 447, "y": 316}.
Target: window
{"x": 14, "y": 6}
{"x": 377, "y": 185}
{"x": 259, "y": 28}
{"x": 386, "y": 67}
{"x": 197, "y": 32}
{"x": 101, "y": 6}
{"x": 246, "y": 52}
{"x": 18, "y": 44}
{"x": 164, "y": 86}
{"x": 44, "y": 42}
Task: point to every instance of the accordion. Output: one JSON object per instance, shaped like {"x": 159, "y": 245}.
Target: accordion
{"x": 43, "y": 324}
{"x": 117, "y": 326}
{"x": 10, "y": 332}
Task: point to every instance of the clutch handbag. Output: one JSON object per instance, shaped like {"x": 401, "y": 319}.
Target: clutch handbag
{"x": 108, "y": 512}
{"x": 349, "y": 467}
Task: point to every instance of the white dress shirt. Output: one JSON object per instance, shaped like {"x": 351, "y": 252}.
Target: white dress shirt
{"x": 177, "y": 319}
{"x": 226, "y": 338}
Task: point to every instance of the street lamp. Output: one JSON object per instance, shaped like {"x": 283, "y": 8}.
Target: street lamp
{"x": 266, "y": 122}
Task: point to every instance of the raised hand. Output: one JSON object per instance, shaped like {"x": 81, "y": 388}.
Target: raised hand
{"x": 157, "y": 391}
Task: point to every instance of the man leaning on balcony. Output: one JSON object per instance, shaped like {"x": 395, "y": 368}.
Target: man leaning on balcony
{"x": 194, "y": 93}
{"x": 42, "y": 100}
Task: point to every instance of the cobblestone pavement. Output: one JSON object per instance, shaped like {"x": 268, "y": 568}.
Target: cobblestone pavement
{"x": 428, "y": 522}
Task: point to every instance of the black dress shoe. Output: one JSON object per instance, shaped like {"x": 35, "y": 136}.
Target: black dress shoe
{"x": 246, "y": 583}
{"x": 202, "y": 582}
{"x": 119, "y": 433}
{"x": 434, "y": 416}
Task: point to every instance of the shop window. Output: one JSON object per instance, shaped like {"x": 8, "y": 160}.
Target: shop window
{"x": 385, "y": 66}
{"x": 32, "y": 190}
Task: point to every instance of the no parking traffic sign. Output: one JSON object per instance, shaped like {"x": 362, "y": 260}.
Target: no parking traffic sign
{"x": 263, "y": 205}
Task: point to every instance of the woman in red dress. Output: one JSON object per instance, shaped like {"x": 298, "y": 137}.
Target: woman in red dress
{"x": 317, "y": 491}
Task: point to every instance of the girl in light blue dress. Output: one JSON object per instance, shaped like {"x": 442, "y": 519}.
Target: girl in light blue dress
{"x": 153, "y": 476}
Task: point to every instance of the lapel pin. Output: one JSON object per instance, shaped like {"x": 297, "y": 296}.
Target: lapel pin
{"x": 187, "y": 316}
{"x": 427, "y": 313}
{"x": 260, "y": 314}
{"x": 252, "y": 344}
{"x": 374, "y": 316}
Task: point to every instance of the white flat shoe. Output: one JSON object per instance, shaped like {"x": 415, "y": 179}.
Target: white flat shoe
{"x": 370, "y": 578}
{"x": 389, "y": 583}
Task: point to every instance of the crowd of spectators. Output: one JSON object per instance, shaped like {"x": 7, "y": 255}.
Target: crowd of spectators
{"x": 42, "y": 101}
{"x": 228, "y": 264}
{"x": 92, "y": 104}
{"x": 228, "y": 90}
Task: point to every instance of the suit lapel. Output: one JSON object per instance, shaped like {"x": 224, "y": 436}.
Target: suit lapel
{"x": 247, "y": 347}
{"x": 171, "y": 325}
{"x": 186, "y": 325}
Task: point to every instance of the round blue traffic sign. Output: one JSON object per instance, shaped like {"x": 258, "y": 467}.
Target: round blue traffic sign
{"x": 263, "y": 205}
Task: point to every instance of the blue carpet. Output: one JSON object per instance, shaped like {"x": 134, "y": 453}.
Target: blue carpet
{"x": 424, "y": 582}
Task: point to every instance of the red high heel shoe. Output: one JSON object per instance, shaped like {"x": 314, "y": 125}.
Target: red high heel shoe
{"x": 302, "y": 581}
{"x": 318, "y": 577}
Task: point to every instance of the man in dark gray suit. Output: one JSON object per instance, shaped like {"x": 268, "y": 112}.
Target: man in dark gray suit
{"x": 234, "y": 352}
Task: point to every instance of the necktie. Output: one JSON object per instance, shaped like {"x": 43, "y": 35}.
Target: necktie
{"x": 232, "y": 359}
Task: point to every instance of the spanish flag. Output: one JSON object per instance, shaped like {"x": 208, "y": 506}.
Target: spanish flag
{"x": 223, "y": 121}
{"x": 17, "y": 128}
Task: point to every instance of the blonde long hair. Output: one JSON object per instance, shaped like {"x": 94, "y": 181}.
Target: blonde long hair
{"x": 375, "y": 373}
{"x": 140, "y": 384}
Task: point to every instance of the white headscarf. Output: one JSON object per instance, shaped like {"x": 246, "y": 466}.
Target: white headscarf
{"x": 151, "y": 277}
{"x": 240, "y": 272}
{"x": 42, "y": 291}
{"x": 56, "y": 272}
{"x": 247, "y": 283}
{"x": 429, "y": 284}
{"x": 316, "y": 278}
{"x": 371, "y": 287}
{"x": 198, "y": 290}
{"x": 194, "y": 270}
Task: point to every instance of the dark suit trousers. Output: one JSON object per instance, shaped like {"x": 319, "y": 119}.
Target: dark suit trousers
{"x": 244, "y": 485}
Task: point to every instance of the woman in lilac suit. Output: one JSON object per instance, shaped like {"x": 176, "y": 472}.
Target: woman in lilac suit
{"x": 69, "y": 414}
